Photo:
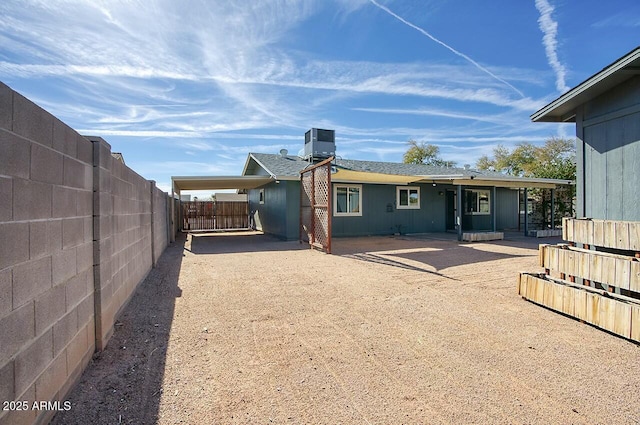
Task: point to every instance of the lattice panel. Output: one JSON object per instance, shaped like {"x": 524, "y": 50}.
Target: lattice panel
{"x": 306, "y": 223}
{"x": 315, "y": 204}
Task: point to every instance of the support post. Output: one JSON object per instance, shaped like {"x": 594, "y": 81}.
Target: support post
{"x": 173, "y": 213}
{"x": 459, "y": 212}
{"x": 553, "y": 209}
{"x": 526, "y": 212}
{"x": 494, "y": 214}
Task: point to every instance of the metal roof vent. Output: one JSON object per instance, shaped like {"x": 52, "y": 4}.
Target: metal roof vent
{"x": 284, "y": 153}
{"x": 319, "y": 144}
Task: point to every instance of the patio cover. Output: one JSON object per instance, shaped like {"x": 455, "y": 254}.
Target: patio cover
{"x": 349, "y": 176}
{"x": 180, "y": 183}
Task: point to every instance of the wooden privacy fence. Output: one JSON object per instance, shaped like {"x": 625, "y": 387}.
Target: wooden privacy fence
{"x": 597, "y": 287}
{"x": 214, "y": 215}
{"x": 315, "y": 205}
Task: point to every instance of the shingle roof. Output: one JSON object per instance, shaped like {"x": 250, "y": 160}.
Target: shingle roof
{"x": 290, "y": 166}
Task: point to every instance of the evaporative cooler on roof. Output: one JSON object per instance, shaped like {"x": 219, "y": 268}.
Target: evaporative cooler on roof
{"x": 319, "y": 144}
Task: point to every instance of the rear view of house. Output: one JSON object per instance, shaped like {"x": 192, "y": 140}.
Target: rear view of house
{"x": 381, "y": 198}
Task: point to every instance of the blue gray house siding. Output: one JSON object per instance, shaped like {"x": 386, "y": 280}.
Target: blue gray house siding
{"x": 608, "y": 154}
{"x": 505, "y": 209}
{"x": 380, "y": 215}
{"x": 279, "y": 215}
{"x": 507, "y": 214}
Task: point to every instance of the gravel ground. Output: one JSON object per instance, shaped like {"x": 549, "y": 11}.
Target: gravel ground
{"x": 242, "y": 328}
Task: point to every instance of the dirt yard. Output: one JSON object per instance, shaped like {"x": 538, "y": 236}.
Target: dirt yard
{"x": 245, "y": 329}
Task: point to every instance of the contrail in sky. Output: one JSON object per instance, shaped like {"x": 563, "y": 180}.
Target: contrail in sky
{"x": 442, "y": 43}
{"x": 549, "y": 28}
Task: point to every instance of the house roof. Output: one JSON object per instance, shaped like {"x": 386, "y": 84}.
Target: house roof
{"x": 563, "y": 109}
{"x": 288, "y": 167}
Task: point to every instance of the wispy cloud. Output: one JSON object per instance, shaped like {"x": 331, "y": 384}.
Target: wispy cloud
{"x": 496, "y": 119}
{"x": 549, "y": 28}
{"x": 446, "y": 46}
{"x": 218, "y": 79}
{"x": 622, "y": 19}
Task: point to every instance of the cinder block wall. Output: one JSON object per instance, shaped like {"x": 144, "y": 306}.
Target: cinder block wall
{"x": 75, "y": 240}
{"x": 123, "y": 255}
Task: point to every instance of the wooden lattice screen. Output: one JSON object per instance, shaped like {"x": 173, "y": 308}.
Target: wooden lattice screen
{"x": 315, "y": 205}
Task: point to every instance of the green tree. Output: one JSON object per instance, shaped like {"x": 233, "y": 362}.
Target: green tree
{"x": 556, "y": 159}
{"x": 422, "y": 153}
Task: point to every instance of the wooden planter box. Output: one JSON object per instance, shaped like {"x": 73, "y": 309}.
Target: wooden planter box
{"x": 614, "y": 313}
{"x": 617, "y": 309}
{"x": 482, "y": 236}
{"x": 622, "y": 235}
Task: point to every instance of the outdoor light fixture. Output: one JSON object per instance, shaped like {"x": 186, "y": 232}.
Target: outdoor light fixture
{"x": 434, "y": 184}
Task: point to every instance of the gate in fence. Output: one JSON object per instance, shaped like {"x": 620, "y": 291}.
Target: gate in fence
{"x": 315, "y": 205}
{"x": 214, "y": 215}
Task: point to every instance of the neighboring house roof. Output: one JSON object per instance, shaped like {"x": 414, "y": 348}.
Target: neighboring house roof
{"x": 118, "y": 156}
{"x": 288, "y": 167}
{"x": 231, "y": 197}
{"x": 563, "y": 109}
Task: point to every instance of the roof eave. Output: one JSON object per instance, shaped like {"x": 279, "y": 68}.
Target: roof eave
{"x": 252, "y": 157}
{"x": 563, "y": 109}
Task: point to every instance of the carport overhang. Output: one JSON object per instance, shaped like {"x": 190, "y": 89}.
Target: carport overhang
{"x": 180, "y": 183}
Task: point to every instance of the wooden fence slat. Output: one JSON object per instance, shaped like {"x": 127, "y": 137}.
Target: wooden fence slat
{"x": 622, "y": 319}
{"x": 593, "y": 308}
{"x": 623, "y": 274}
{"x": 634, "y": 276}
{"x": 634, "y": 236}
{"x": 580, "y": 304}
{"x": 607, "y": 313}
{"x": 567, "y": 229}
{"x": 635, "y": 322}
{"x": 608, "y": 271}
{"x": 622, "y": 235}
{"x": 598, "y": 233}
{"x": 568, "y": 301}
{"x": 542, "y": 251}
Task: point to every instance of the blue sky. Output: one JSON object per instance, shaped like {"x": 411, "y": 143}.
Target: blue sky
{"x": 190, "y": 87}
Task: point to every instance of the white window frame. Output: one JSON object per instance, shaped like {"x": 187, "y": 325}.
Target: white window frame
{"x": 477, "y": 205}
{"x": 261, "y": 196}
{"x": 335, "y": 200}
{"x": 408, "y": 189}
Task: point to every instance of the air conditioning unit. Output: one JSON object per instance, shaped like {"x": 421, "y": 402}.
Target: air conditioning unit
{"x": 319, "y": 144}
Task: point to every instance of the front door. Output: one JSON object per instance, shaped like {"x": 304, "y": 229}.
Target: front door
{"x": 451, "y": 210}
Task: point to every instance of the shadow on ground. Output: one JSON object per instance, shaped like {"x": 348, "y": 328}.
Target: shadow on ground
{"x": 235, "y": 242}
{"x": 431, "y": 253}
{"x": 123, "y": 383}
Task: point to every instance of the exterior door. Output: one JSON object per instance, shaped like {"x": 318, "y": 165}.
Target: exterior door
{"x": 451, "y": 210}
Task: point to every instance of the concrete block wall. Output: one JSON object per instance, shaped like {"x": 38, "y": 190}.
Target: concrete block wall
{"x": 75, "y": 240}
{"x": 123, "y": 254}
{"x": 160, "y": 221}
